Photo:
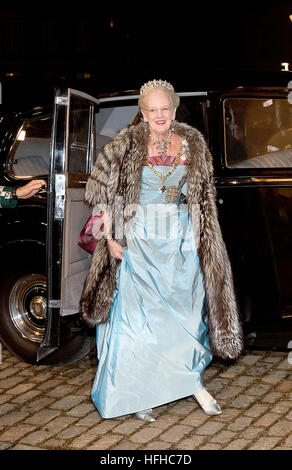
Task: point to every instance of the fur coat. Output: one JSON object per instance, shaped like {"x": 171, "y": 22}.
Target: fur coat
{"x": 118, "y": 172}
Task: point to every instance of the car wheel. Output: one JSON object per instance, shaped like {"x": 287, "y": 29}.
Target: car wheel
{"x": 23, "y": 310}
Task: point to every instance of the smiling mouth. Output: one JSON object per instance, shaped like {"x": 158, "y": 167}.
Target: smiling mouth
{"x": 160, "y": 122}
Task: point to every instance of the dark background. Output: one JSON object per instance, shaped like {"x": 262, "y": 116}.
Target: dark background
{"x": 101, "y": 48}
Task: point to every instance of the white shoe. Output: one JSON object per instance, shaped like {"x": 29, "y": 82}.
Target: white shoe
{"x": 208, "y": 404}
{"x": 146, "y": 415}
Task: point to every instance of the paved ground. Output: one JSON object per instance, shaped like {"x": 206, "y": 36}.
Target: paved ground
{"x": 44, "y": 407}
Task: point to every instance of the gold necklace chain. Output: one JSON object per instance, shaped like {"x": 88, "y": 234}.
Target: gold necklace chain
{"x": 170, "y": 172}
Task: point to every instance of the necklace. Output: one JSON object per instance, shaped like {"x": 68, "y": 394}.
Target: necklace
{"x": 162, "y": 144}
{"x": 162, "y": 187}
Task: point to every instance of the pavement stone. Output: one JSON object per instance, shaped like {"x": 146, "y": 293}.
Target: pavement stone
{"x": 239, "y": 423}
{"x": 238, "y": 444}
{"x": 191, "y": 443}
{"x": 175, "y": 433}
{"x": 124, "y": 444}
{"x": 265, "y": 443}
{"x": 49, "y": 407}
{"x": 145, "y": 435}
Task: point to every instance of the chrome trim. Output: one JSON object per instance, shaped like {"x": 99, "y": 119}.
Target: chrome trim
{"x": 80, "y": 94}
{"x": 62, "y": 100}
{"x": 60, "y": 182}
{"x": 250, "y": 181}
{"x": 29, "y": 319}
{"x": 135, "y": 97}
{"x": 118, "y": 98}
{"x": 271, "y": 180}
{"x": 55, "y": 303}
{"x": 193, "y": 93}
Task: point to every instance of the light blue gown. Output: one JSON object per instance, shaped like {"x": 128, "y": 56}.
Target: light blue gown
{"x": 154, "y": 348}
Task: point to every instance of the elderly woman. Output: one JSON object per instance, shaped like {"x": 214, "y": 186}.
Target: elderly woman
{"x": 160, "y": 287}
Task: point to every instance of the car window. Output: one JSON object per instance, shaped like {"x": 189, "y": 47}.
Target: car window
{"x": 258, "y": 132}
{"x": 78, "y": 136}
{"x": 110, "y": 119}
{"x": 30, "y": 152}
{"x": 191, "y": 112}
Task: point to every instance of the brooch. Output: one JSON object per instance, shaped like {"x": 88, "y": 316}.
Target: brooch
{"x": 171, "y": 194}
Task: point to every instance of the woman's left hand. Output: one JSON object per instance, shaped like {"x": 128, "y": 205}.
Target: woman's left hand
{"x": 30, "y": 189}
{"x": 116, "y": 250}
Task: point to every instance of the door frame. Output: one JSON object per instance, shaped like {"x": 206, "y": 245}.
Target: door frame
{"x": 57, "y": 185}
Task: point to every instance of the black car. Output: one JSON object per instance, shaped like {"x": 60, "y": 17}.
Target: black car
{"x": 249, "y": 131}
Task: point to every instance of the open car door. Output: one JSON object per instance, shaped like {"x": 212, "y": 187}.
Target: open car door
{"x": 72, "y": 153}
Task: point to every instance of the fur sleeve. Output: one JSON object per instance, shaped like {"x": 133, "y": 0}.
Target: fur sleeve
{"x": 221, "y": 302}
{"x": 103, "y": 179}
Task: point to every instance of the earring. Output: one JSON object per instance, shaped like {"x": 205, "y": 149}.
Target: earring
{"x": 146, "y": 126}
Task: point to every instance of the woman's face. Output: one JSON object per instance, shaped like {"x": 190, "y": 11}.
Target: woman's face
{"x": 159, "y": 112}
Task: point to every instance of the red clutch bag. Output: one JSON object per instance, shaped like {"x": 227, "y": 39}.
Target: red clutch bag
{"x": 91, "y": 232}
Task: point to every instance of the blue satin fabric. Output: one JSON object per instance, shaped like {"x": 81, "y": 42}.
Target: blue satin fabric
{"x": 154, "y": 348}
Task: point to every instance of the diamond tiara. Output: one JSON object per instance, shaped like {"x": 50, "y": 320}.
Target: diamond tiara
{"x": 155, "y": 84}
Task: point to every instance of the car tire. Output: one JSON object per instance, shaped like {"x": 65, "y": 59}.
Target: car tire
{"x": 76, "y": 349}
{"x": 23, "y": 311}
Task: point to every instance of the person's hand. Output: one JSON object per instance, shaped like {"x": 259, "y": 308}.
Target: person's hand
{"x": 116, "y": 249}
{"x": 30, "y": 189}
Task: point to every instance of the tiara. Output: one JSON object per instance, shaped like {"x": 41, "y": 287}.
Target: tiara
{"x": 155, "y": 84}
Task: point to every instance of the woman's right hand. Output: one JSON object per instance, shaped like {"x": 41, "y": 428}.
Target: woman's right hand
{"x": 116, "y": 250}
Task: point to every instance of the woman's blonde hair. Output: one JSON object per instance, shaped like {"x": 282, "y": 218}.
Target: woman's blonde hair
{"x": 157, "y": 85}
